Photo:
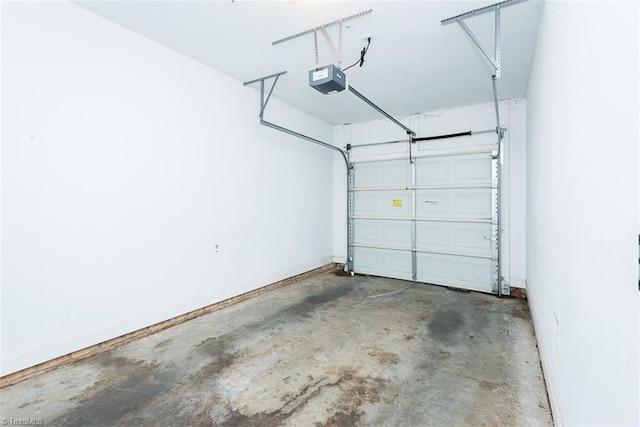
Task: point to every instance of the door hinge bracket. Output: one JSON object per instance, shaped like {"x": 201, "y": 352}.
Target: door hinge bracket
{"x": 505, "y": 289}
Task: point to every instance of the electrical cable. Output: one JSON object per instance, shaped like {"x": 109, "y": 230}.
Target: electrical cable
{"x": 362, "y": 54}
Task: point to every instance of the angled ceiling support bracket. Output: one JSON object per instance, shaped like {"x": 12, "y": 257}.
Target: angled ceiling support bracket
{"x": 263, "y": 102}
{"x": 337, "y": 53}
{"x": 495, "y": 59}
{"x": 263, "y": 106}
{"x": 495, "y": 63}
{"x": 348, "y": 264}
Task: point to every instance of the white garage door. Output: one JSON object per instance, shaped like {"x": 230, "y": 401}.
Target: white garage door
{"x": 433, "y": 220}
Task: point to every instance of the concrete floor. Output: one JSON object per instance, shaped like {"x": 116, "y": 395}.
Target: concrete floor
{"x": 327, "y": 351}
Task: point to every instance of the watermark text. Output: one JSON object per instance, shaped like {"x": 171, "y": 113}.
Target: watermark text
{"x": 21, "y": 421}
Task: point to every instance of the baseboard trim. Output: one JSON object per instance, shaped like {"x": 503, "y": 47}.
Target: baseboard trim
{"x": 551, "y": 393}
{"x": 119, "y": 341}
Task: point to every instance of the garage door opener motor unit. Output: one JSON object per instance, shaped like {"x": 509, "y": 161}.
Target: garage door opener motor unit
{"x": 328, "y": 79}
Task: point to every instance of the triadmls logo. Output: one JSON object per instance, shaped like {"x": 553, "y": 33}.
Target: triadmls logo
{"x": 22, "y": 422}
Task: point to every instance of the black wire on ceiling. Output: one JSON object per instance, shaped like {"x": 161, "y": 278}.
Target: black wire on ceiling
{"x": 363, "y": 52}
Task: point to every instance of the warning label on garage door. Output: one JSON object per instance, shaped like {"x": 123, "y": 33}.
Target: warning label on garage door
{"x": 397, "y": 203}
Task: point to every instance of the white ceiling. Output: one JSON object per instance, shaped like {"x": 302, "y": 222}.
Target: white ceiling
{"x": 413, "y": 65}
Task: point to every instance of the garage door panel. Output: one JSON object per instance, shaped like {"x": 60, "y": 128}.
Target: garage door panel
{"x": 395, "y": 234}
{"x": 382, "y": 262}
{"x": 476, "y": 237}
{"x": 473, "y": 170}
{"x": 390, "y": 203}
{"x": 433, "y": 236}
{"x": 381, "y": 174}
{"x": 459, "y": 271}
{"x": 432, "y": 171}
{"x": 433, "y": 203}
{"x": 471, "y": 203}
{"x": 449, "y": 231}
{"x": 470, "y": 169}
{"x": 454, "y": 237}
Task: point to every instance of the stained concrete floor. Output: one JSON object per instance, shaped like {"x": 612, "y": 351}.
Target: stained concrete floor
{"x": 326, "y": 351}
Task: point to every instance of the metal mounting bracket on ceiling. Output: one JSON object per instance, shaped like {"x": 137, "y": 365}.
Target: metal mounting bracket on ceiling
{"x": 494, "y": 60}
{"x": 336, "y": 52}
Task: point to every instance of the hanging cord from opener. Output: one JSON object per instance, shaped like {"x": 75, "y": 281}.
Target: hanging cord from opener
{"x": 363, "y": 52}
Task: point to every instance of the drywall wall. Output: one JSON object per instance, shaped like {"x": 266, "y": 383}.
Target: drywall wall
{"x": 1, "y": 133}
{"x": 474, "y": 118}
{"x": 138, "y": 184}
{"x": 582, "y": 209}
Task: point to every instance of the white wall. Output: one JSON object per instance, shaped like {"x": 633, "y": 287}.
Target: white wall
{"x": 474, "y": 118}
{"x": 1, "y": 132}
{"x": 138, "y": 184}
{"x": 582, "y": 205}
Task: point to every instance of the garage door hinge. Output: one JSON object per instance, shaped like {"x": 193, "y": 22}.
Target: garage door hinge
{"x": 504, "y": 287}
